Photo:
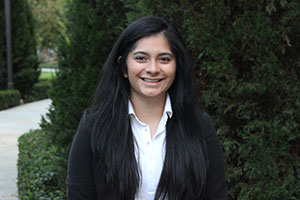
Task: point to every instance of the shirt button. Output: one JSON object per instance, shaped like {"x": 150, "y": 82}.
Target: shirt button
{"x": 148, "y": 143}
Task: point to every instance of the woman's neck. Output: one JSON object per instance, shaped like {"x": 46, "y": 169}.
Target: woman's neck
{"x": 149, "y": 110}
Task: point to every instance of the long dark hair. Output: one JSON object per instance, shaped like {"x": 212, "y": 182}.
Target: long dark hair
{"x": 185, "y": 166}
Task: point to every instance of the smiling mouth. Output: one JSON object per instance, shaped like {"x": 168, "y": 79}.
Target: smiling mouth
{"x": 151, "y": 80}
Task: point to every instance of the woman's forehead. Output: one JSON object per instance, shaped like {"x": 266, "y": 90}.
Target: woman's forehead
{"x": 155, "y": 43}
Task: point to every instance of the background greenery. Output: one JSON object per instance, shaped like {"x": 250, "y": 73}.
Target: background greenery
{"x": 40, "y": 166}
{"x": 92, "y": 28}
{"x": 49, "y": 23}
{"x": 9, "y": 98}
{"x": 247, "y": 61}
{"x": 24, "y": 58}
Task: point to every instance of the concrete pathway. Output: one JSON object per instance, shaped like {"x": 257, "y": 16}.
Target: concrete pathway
{"x": 13, "y": 123}
{"x": 49, "y": 70}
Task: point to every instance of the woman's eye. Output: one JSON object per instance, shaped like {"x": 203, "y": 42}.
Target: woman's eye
{"x": 165, "y": 59}
{"x": 140, "y": 58}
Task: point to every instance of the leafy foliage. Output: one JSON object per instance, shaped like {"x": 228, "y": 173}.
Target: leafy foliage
{"x": 249, "y": 88}
{"x": 40, "y": 90}
{"x": 40, "y": 166}
{"x": 24, "y": 58}
{"x": 48, "y": 22}
{"x": 9, "y": 98}
{"x": 92, "y": 28}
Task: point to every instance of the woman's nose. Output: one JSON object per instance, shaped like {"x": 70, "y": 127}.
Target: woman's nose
{"x": 153, "y": 68}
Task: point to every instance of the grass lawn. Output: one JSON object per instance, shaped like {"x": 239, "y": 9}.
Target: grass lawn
{"x": 47, "y": 75}
{"x": 48, "y": 65}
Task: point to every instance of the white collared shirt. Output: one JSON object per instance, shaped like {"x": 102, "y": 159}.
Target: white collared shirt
{"x": 150, "y": 153}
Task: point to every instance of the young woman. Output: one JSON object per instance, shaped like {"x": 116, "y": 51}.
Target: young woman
{"x": 145, "y": 137}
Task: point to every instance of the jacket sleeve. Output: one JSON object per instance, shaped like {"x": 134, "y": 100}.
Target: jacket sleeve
{"x": 80, "y": 179}
{"x": 216, "y": 188}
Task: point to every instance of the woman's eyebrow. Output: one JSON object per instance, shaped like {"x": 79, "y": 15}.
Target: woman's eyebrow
{"x": 166, "y": 54}
{"x": 140, "y": 52}
{"x": 160, "y": 54}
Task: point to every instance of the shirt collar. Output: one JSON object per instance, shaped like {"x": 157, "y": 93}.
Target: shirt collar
{"x": 167, "y": 109}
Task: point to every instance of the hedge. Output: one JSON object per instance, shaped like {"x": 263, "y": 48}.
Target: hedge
{"x": 9, "y": 98}
{"x": 40, "y": 165}
{"x": 40, "y": 90}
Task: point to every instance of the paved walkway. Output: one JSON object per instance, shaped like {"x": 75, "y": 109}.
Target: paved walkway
{"x": 49, "y": 69}
{"x": 13, "y": 123}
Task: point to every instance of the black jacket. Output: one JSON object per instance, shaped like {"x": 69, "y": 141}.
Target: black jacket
{"x": 85, "y": 179}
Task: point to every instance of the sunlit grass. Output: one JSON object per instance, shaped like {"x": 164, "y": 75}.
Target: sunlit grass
{"x": 47, "y": 75}
{"x": 48, "y": 65}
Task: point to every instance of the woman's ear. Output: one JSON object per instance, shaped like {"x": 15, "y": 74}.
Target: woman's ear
{"x": 119, "y": 59}
{"x": 125, "y": 75}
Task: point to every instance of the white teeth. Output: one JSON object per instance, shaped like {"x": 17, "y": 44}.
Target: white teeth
{"x": 151, "y": 80}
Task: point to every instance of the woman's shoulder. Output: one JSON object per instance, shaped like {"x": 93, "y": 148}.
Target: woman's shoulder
{"x": 205, "y": 118}
{"x": 89, "y": 114}
{"x": 87, "y": 121}
{"x": 207, "y": 125}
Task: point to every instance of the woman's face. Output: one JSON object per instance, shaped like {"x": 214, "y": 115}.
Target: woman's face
{"x": 151, "y": 67}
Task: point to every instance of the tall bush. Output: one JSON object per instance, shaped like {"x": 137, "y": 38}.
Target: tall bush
{"x": 24, "y": 58}
{"x": 92, "y": 28}
{"x": 249, "y": 66}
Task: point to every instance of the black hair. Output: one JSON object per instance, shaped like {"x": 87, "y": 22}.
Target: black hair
{"x": 185, "y": 166}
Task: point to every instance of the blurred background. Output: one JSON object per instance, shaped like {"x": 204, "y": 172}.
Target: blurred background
{"x": 247, "y": 64}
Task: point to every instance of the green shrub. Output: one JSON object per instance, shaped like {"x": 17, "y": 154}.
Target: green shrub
{"x": 92, "y": 29}
{"x": 250, "y": 92}
{"x": 24, "y": 57}
{"x": 39, "y": 91}
{"x": 9, "y": 98}
{"x": 40, "y": 165}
